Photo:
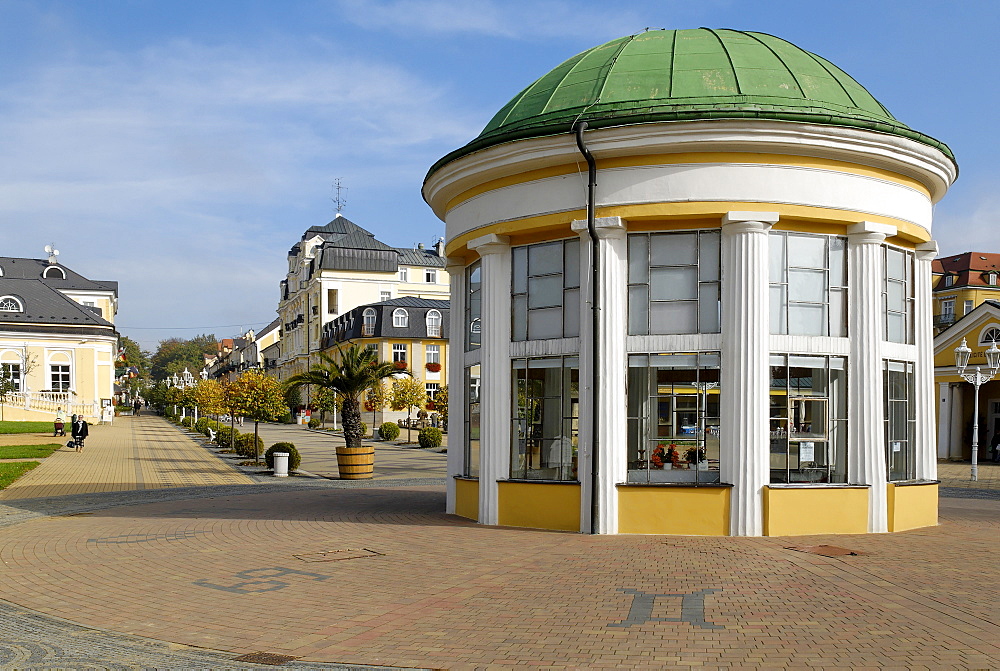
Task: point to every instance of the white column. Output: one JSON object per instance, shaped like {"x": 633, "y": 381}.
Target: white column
{"x": 865, "y": 410}
{"x": 745, "y": 371}
{"x": 453, "y": 357}
{"x": 958, "y": 433}
{"x": 495, "y": 417}
{"x": 611, "y": 411}
{"x": 944, "y": 419}
{"x": 924, "y": 397}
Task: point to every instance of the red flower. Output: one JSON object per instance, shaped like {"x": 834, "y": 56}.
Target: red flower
{"x": 399, "y": 365}
{"x": 430, "y": 405}
{"x": 433, "y": 367}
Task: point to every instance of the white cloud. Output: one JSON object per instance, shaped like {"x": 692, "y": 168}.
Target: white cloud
{"x": 510, "y": 19}
{"x": 181, "y": 170}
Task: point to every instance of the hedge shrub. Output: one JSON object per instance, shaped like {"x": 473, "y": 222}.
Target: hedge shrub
{"x": 293, "y": 455}
{"x": 224, "y": 436}
{"x": 314, "y": 422}
{"x": 188, "y": 421}
{"x": 211, "y": 425}
{"x": 429, "y": 436}
{"x": 245, "y": 445}
{"x": 364, "y": 429}
{"x": 389, "y": 431}
{"x": 201, "y": 424}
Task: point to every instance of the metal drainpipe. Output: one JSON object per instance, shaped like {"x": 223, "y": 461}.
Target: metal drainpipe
{"x": 595, "y": 386}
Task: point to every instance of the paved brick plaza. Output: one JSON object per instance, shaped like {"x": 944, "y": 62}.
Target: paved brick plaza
{"x": 244, "y": 571}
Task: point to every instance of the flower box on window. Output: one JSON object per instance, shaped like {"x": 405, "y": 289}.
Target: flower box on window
{"x": 399, "y": 365}
{"x": 433, "y": 367}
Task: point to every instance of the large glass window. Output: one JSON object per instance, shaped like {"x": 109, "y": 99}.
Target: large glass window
{"x": 897, "y": 295}
{"x": 473, "y": 306}
{"x": 545, "y": 282}
{"x": 433, "y": 322}
{"x": 546, "y": 393}
{"x": 400, "y": 318}
{"x": 808, "y": 284}
{"x": 673, "y": 418}
{"x": 900, "y": 421}
{"x": 673, "y": 283}
{"x": 59, "y": 374}
{"x": 808, "y": 419}
{"x": 472, "y": 422}
{"x": 432, "y": 353}
{"x": 12, "y": 372}
{"x": 399, "y": 353}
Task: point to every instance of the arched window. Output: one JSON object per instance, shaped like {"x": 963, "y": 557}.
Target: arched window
{"x": 400, "y": 318}
{"x": 54, "y": 272}
{"x": 989, "y": 336}
{"x": 433, "y": 324}
{"x": 368, "y": 327}
{"x": 10, "y": 304}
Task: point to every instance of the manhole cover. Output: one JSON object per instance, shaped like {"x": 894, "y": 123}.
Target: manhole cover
{"x": 338, "y": 555}
{"x": 265, "y": 658}
{"x": 825, "y": 550}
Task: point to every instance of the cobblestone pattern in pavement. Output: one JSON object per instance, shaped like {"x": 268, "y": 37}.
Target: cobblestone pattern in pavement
{"x": 245, "y": 572}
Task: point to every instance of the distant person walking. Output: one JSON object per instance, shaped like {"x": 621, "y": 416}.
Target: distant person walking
{"x": 136, "y": 407}
{"x": 80, "y": 431}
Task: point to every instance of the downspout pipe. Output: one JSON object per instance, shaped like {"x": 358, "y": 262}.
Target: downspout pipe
{"x": 595, "y": 385}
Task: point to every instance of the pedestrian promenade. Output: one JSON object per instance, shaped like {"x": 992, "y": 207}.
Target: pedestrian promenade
{"x": 133, "y": 453}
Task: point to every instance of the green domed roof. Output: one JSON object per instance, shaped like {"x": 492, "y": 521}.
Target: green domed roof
{"x": 685, "y": 75}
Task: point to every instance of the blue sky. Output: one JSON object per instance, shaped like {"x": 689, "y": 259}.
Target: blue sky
{"x": 182, "y": 147}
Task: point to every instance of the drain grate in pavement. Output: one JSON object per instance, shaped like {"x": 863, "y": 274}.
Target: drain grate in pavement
{"x": 339, "y": 555}
{"x": 265, "y": 658}
{"x": 825, "y": 550}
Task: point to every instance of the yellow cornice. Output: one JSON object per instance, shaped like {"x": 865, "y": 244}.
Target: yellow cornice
{"x": 687, "y": 215}
{"x": 689, "y": 158}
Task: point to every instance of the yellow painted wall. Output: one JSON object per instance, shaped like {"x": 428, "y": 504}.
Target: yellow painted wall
{"x": 690, "y": 511}
{"x": 797, "y": 511}
{"x": 467, "y": 499}
{"x": 539, "y": 505}
{"x": 912, "y": 506}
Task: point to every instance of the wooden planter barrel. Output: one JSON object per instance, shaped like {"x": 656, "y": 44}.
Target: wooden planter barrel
{"x": 356, "y": 463}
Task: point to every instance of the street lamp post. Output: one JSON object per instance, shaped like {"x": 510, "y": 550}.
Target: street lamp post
{"x": 977, "y": 379}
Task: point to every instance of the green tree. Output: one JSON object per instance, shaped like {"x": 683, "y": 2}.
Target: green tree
{"x": 6, "y": 389}
{"x": 407, "y": 393}
{"x": 326, "y": 401}
{"x": 259, "y": 397}
{"x": 376, "y": 399}
{"x": 175, "y": 354}
{"x": 441, "y": 404}
{"x": 355, "y": 371}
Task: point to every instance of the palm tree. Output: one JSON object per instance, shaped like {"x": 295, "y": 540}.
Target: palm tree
{"x": 357, "y": 370}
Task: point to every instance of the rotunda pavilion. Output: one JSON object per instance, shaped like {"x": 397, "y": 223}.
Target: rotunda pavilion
{"x": 691, "y": 295}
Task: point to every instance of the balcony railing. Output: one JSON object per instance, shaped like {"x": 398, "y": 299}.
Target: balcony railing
{"x": 368, "y": 330}
{"x": 946, "y": 319}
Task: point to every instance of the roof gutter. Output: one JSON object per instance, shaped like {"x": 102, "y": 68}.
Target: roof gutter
{"x": 595, "y": 385}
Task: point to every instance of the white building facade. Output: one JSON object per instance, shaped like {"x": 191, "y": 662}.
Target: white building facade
{"x": 735, "y": 339}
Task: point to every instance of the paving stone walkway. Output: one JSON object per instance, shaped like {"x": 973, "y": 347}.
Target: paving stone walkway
{"x": 329, "y": 573}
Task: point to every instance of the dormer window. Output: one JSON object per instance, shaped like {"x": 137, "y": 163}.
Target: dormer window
{"x": 991, "y": 278}
{"x": 949, "y": 280}
{"x": 54, "y": 273}
{"x": 10, "y": 304}
{"x": 400, "y": 318}
{"x": 433, "y": 320}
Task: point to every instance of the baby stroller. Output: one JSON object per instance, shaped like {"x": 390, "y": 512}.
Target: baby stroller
{"x": 59, "y": 427}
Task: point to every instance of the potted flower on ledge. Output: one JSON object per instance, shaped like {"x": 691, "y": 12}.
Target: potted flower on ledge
{"x": 433, "y": 367}
{"x": 399, "y": 365}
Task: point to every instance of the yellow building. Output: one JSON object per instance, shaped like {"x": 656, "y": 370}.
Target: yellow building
{"x": 962, "y": 282}
{"x": 57, "y": 340}
{"x": 411, "y": 332}
{"x": 337, "y": 267}
{"x": 692, "y": 278}
{"x": 980, "y": 328}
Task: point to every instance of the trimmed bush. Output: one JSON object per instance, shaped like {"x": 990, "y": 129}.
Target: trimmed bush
{"x": 287, "y": 418}
{"x": 429, "y": 436}
{"x": 389, "y": 431}
{"x": 293, "y": 455}
{"x": 245, "y": 445}
{"x": 211, "y": 425}
{"x": 314, "y": 422}
{"x": 201, "y": 424}
{"x": 188, "y": 421}
{"x": 364, "y": 429}
{"x": 224, "y": 436}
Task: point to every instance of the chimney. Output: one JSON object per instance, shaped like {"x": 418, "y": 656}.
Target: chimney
{"x": 439, "y": 247}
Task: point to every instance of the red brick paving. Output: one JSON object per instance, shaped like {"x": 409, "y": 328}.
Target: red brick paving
{"x": 451, "y": 594}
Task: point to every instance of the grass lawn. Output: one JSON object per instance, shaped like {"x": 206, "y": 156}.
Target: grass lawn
{"x": 12, "y": 471}
{"x": 27, "y": 451}
{"x": 27, "y": 427}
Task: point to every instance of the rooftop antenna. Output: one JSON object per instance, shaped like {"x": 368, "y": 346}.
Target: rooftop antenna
{"x": 53, "y": 253}
{"x": 339, "y": 200}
